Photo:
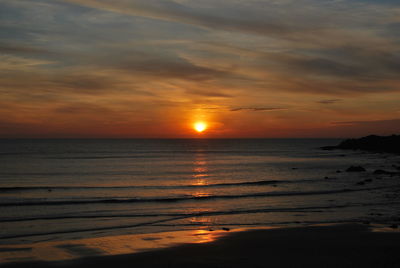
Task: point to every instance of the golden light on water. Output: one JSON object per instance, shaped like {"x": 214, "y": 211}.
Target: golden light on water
{"x": 200, "y": 126}
{"x": 203, "y": 236}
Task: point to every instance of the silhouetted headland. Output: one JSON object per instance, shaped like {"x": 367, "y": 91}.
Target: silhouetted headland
{"x": 372, "y": 143}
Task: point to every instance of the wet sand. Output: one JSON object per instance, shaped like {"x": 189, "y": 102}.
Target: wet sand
{"x": 348, "y": 245}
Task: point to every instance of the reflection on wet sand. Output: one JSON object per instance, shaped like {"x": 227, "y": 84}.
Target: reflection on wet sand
{"x": 204, "y": 236}
{"x": 111, "y": 245}
{"x": 125, "y": 244}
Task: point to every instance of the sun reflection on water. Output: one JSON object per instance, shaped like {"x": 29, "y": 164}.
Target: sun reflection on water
{"x": 200, "y": 194}
{"x": 200, "y": 177}
{"x": 200, "y": 170}
{"x": 200, "y": 182}
{"x": 200, "y": 174}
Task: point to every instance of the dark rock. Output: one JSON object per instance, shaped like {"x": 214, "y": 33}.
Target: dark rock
{"x": 226, "y": 229}
{"x": 383, "y": 172}
{"x": 355, "y": 169}
{"x": 329, "y": 148}
{"x": 368, "y": 180}
{"x": 394, "y": 226}
{"x": 377, "y": 214}
{"x": 338, "y": 171}
{"x": 360, "y": 183}
{"x": 388, "y": 144}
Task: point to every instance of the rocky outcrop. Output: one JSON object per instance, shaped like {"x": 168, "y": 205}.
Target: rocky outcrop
{"x": 373, "y": 143}
{"x": 384, "y": 172}
{"x": 355, "y": 169}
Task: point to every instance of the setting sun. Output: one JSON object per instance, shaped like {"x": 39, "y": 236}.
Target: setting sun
{"x": 200, "y": 126}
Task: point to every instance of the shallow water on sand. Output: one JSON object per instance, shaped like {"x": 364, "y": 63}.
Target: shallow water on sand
{"x": 54, "y": 190}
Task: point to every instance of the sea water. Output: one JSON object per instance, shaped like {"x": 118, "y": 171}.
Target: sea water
{"x": 53, "y": 190}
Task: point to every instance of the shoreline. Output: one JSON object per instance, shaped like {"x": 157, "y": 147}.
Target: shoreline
{"x": 110, "y": 245}
{"x": 338, "y": 245}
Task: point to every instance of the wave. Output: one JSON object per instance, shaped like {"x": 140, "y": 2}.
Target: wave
{"x": 246, "y": 183}
{"x": 193, "y": 214}
{"x": 182, "y": 198}
{"x": 200, "y": 214}
{"x": 173, "y": 217}
{"x": 76, "y": 154}
{"x": 180, "y": 216}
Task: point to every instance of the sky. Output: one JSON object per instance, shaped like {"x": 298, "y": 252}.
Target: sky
{"x": 152, "y": 68}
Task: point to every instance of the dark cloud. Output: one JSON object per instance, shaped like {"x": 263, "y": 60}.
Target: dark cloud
{"x": 329, "y": 101}
{"x": 321, "y": 66}
{"x": 161, "y": 68}
{"x": 373, "y": 123}
{"x": 363, "y": 61}
{"x": 39, "y": 82}
{"x": 21, "y": 49}
{"x": 363, "y": 128}
{"x": 317, "y": 24}
{"x": 80, "y": 108}
{"x": 83, "y": 83}
{"x": 366, "y": 65}
{"x": 257, "y": 109}
{"x": 209, "y": 93}
{"x": 104, "y": 60}
{"x": 367, "y": 60}
{"x": 377, "y": 2}
{"x": 173, "y": 11}
{"x": 344, "y": 130}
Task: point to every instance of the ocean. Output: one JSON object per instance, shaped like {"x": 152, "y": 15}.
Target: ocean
{"x": 55, "y": 190}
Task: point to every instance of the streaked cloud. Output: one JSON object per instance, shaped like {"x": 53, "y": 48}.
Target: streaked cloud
{"x": 257, "y": 109}
{"x": 129, "y": 65}
{"x": 329, "y": 101}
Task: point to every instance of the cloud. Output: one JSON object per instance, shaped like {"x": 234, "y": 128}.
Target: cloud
{"x": 175, "y": 12}
{"x": 165, "y": 67}
{"x": 209, "y": 93}
{"x": 313, "y": 56}
{"x": 159, "y": 61}
{"x": 81, "y": 108}
{"x": 257, "y": 109}
{"x": 329, "y": 101}
{"x": 39, "y": 82}
{"x": 322, "y": 22}
{"x": 376, "y": 123}
{"x": 363, "y": 128}
{"x": 363, "y": 64}
{"x": 21, "y": 49}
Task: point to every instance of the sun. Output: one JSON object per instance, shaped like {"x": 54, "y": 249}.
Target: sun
{"x": 200, "y": 126}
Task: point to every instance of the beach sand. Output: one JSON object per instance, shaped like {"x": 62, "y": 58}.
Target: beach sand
{"x": 346, "y": 245}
